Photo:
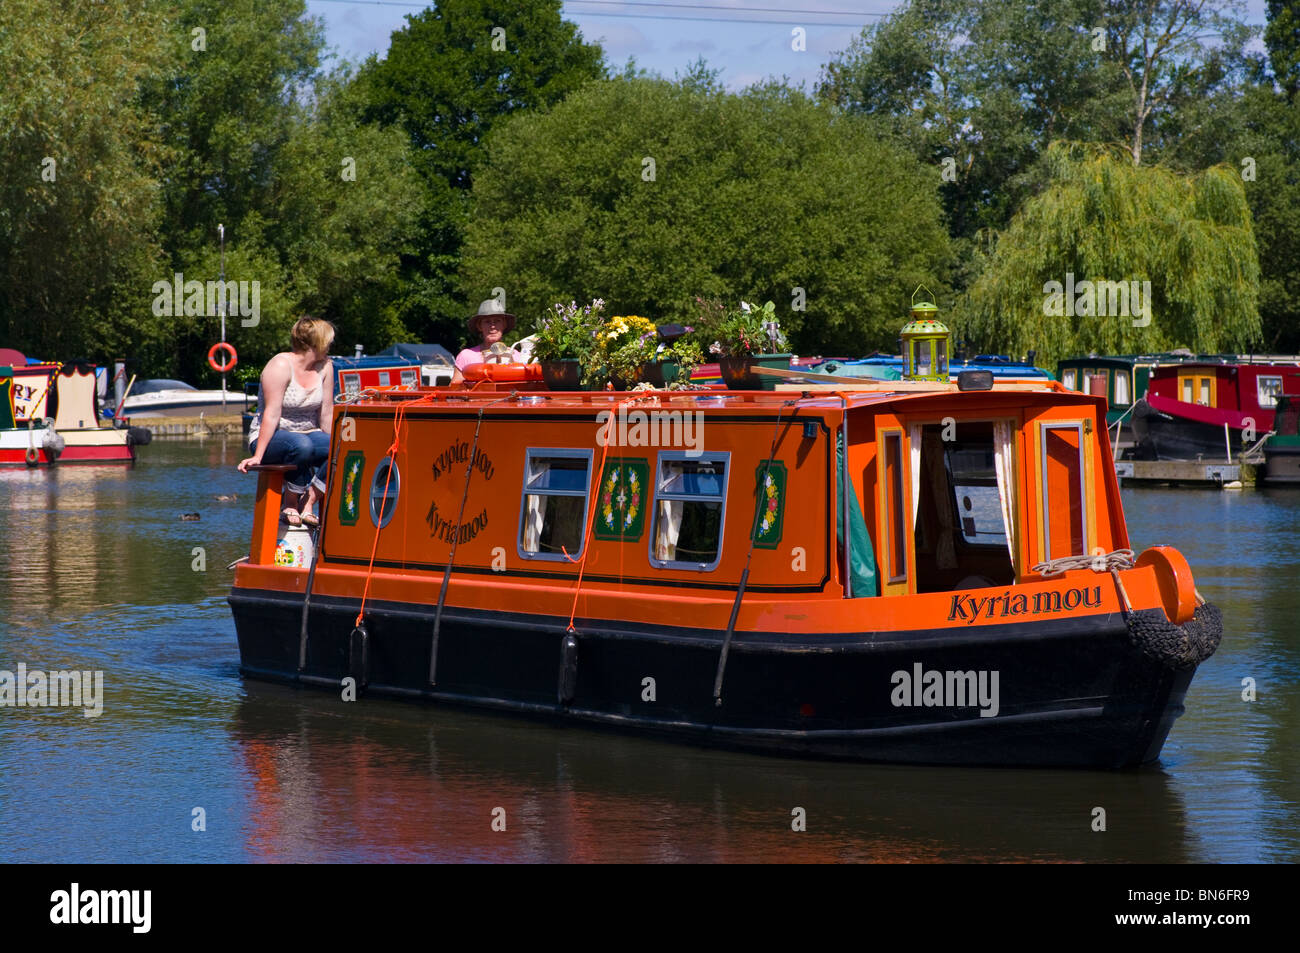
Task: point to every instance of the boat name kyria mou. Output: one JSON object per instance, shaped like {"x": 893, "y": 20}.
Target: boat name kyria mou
{"x": 917, "y": 570}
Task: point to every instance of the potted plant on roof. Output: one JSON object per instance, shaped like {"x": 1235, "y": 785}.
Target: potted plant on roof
{"x": 564, "y": 341}
{"x": 636, "y": 352}
{"x": 747, "y": 337}
{"x": 624, "y": 344}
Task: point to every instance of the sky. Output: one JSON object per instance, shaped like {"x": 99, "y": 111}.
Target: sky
{"x": 666, "y": 36}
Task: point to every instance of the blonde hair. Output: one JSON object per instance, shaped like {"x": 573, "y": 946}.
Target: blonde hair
{"x": 314, "y": 333}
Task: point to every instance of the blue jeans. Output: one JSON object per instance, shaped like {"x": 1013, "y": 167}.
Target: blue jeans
{"x": 310, "y": 451}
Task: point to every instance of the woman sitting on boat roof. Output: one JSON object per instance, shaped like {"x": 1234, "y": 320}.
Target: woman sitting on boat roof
{"x": 491, "y": 323}
{"x": 295, "y": 409}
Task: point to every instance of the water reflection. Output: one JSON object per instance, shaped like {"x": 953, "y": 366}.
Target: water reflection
{"x": 100, "y": 574}
{"x": 332, "y": 779}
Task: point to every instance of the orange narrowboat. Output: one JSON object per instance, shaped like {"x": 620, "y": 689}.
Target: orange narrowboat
{"x": 916, "y": 571}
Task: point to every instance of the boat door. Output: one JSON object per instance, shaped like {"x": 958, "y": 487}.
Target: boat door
{"x": 1064, "y": 478}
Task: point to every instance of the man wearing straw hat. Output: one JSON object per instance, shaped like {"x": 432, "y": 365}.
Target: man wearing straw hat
{"x": 490, "y": 323}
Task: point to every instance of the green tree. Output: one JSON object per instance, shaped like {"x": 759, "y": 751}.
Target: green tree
{"x": 347, "y": 205}
{"x": 1104, "y": 219}
{"x": 648, "y": 193}
{"x": 977, "y": 88}
{"x": 1159, "y": 47}
{"x": 79, "y": 161}
{"x": 1282, "y": 37}
{"x": 453, "y": 72}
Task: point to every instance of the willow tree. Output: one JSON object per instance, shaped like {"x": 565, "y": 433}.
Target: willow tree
{"x": 1051, "y": 281}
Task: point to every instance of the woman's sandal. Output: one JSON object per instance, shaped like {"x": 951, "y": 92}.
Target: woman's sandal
{"x": 292, "y": 516}
{"x": 309, "y": 519}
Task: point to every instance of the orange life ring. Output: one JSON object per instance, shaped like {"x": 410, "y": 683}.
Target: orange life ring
{"x": 508, "y": 373}
{"x": 212, "y": 357}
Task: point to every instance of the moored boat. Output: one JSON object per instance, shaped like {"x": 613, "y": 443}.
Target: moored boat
{"x": 161, "y": 397}
{"x": 34, "y": 444}
{"x": 1282, "y": 448}
{"x": 678, "y": 563}
{"x": 1211, "y": 408}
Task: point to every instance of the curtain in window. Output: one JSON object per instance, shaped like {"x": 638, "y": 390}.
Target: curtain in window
{"x": 1003, "y": 462}
{"x": 668, "y": 527}
{"x": 914, "y": 445}
{"x": 536, "y": 514}
{"x": 945, "y": 553}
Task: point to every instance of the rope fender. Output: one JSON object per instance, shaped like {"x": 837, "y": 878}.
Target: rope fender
{"x": 1178, "y": 647}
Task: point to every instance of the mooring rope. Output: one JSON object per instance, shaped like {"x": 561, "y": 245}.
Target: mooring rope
{"x": 591, "y": 519}
{"x": 398, "y": 416}
{"x": 1099, "y": 562}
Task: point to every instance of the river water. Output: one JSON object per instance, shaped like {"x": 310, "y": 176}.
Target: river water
{"x": 100, "y": 573}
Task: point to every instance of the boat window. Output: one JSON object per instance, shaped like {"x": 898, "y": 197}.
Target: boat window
{"x": 1069, "y": 377}
{"x": 1206, "y": 397}
{"x": 690, "y": 497}
{"x": 975, "y": 485}
{"x": 553, "y": 514}
{"x": 1188, "y": 384}
{"x": 896, "y": 551}
{"x": 1063, "y": 496}
{"x": 383, "y": 379}
{"x": 1122, "y": 388}
{"x": 961, "y": 532}
{"x": 351, "y": 382}
{"x": 384, "y": 488}
{"x": 410, "y": 377}
{"x": 1269, "y": 388}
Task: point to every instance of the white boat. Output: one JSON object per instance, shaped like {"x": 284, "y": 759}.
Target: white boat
{"x": 168, "y": 398}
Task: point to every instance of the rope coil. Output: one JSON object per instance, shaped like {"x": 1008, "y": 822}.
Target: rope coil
{"x": 1120, "y": 559}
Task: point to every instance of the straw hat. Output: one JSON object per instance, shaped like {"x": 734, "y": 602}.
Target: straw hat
{"x": 489, "y": 309}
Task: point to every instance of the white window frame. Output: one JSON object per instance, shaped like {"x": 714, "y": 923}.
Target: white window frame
{"x": 537, "y": 453}
{"x": 669, "y": 456}
{"x": 1272, "y": 396}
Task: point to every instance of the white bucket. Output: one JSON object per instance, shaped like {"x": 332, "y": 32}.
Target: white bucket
{"x": 293, "y": 546}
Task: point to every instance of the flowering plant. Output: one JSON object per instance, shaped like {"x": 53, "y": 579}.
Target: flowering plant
{"x": 629, "y": 344}
{"x": 750, "y": 329}
{"x": 568, "y": 332}
{"x": 623, "y": 344}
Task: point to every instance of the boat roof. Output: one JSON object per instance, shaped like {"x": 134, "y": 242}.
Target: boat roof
{"x": 160, "y": 384}
{"x": 831, "y": 396}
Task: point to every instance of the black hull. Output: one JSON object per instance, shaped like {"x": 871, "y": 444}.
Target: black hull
{"x": 1161, "y": 436}
{"x": 1282, "y": 465}
{"x": 1071, "y": 693}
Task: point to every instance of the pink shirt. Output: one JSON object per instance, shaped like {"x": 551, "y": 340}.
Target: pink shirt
{"x": 474, "y": 355}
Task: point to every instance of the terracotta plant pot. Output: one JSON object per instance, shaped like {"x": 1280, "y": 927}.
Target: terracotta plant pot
{"x": 738, "y": 372}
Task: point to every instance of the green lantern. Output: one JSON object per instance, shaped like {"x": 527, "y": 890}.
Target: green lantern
{"x": 925, "y": 341}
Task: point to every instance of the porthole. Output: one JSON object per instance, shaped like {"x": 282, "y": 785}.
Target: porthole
{"x": 383, "y": 500}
